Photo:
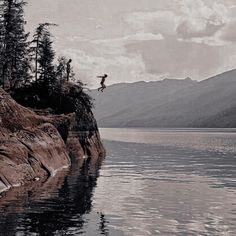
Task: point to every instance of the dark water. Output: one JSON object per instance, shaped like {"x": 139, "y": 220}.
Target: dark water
{"x": 153, "y": 182}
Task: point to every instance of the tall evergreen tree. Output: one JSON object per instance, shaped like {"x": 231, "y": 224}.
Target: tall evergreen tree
{"x": 46, "y": 56}
{"x": 40, "y": 33}
{"x": 61, "y": 69}
{"x": 2, "y": 31}
{"x": 14, "y": 58}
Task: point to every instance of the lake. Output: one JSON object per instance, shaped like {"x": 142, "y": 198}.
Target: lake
{"x": 152, "y": 182}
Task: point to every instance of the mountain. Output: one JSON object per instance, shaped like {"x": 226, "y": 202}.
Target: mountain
{"x": 169, "y": 103}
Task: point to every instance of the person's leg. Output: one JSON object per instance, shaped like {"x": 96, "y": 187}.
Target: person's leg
{"x": 100, "y": 87}
{"x": 103, "y": 87}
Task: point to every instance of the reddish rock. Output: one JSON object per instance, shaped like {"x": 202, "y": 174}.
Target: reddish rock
{"x": 35, "y": 145}
{"x": 85, "y": 144}
{"x": 29, "y": 148}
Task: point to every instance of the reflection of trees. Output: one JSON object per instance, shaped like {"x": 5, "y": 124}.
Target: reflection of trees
{"x": 59, "y": 213}
{"x": 103, "y": 225}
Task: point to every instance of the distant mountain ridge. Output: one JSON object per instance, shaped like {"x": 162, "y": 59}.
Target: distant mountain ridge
{"x": 169, "y": 103}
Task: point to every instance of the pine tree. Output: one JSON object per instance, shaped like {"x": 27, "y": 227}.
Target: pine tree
{"x": 61, "y": 69}
{"x": 1, "y": 28}
{"x": 40, "y": 33}
{"x": 46, "y": 56}
{"x": 14, "y": 58}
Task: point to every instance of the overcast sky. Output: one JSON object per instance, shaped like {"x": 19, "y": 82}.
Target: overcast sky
{"x": 134, "y": 40}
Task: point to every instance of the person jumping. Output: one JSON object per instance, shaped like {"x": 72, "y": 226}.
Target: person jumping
{"x": 103, "y": 78}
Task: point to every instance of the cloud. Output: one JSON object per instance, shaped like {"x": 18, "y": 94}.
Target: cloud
{"x": 197, "y": 21}
{"x": 229, "y": 33}
{"x": 144, "y": 37}
{"x": 128, "y": 67}
{"x": 210, "y": 41}
{"x": 184, "y": 59}
{"x": 201, "y": 20}
{"x": 140, "y": 36}
{"x": 163, "y": 22}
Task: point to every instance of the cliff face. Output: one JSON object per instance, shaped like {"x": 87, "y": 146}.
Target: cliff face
{"x": 30, "y": 148}
{"x": 33, "y": 146}
{"x": 70, "y": 114}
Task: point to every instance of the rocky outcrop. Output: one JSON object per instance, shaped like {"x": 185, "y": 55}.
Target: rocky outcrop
{"x": 85, "y": 144}
{"x": 74, "y": 120}
{"x": 35, "y": 146}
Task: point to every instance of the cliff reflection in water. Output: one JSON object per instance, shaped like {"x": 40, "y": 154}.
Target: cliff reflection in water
{"x": 56, "y": 207}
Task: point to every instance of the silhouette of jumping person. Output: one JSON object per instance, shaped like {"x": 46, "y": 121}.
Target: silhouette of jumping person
{"x": 68, "y": 69}
{"x": 103, "y": 78}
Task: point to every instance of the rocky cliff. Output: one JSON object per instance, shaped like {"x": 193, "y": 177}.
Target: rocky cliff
{"x": 36, "y": 144}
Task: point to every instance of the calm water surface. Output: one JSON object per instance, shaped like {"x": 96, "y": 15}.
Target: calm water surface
{"x": 153, "y": 182}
